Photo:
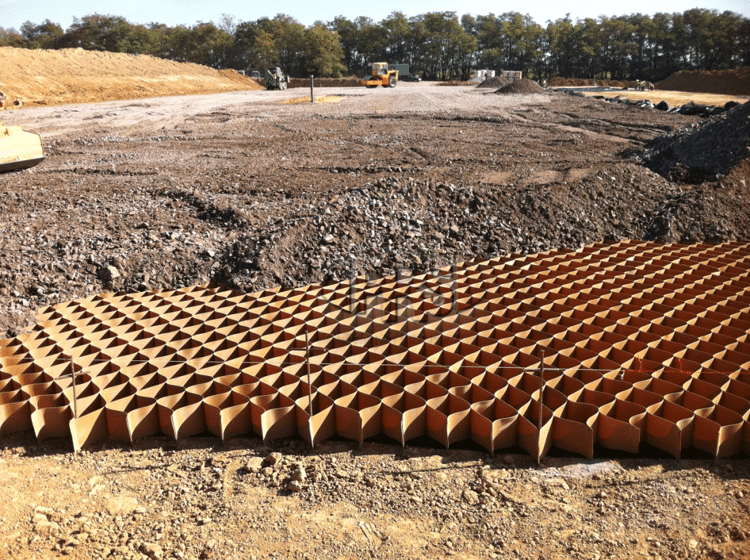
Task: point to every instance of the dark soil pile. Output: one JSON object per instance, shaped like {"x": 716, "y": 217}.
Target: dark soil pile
{"x": 702, "y": 151}
{"x": 579, "y": 82}
{"x": 351, "y": 81}
{"x": 727, "y": 82}
{"x": 494, "y": 82}
{"x": 454, "y": 83}
{"x": 521, "y": 86}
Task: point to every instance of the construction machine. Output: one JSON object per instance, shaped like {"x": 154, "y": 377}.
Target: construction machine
{"x": 381, "y": 76}
{"x": 19, "y": 149}
{"x": 275, "y": 79}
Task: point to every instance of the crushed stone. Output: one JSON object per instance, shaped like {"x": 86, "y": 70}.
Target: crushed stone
{"x": 703, "y": 151}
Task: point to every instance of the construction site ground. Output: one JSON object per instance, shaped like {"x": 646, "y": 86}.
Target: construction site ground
{"x": 248, "y": 190}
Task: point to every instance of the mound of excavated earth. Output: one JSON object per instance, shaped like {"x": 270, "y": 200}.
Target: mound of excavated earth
{"x": 577, "y": 82}
{"x": 54, "y": 77}
{"x": 494, "y": 82}
{"x": 521, "y": 86}
{"x": 728, "y": 82}
{"x": 703, "y": 151}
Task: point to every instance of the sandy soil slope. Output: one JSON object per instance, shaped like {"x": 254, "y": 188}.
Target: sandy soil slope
{"x": 47, "y": 77}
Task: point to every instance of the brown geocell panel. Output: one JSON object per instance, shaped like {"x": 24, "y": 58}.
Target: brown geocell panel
{"x": 613, "y": 344}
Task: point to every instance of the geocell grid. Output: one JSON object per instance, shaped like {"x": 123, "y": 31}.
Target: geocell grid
{"x": 635, "y": 342}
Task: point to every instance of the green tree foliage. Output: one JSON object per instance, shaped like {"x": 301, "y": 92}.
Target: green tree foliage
{"x": 372, "y": 43}
{"x": 12, "y": 38}
{"x": 203, "y": 43}
{"x": 348, "y": 38}
{"x": 106, "y": 33}
{"x": 437, "y": 45}
{"x": 46, "y": 35}
{"x": 444, "y": 48}
{"x": 398, "y": 38}
{"x": 511, "y": 41}
{"x": 323, "y": 52}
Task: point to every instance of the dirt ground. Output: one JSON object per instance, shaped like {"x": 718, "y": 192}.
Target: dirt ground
{"x": 248, "y": 190}
{"x": 199, "y": 499}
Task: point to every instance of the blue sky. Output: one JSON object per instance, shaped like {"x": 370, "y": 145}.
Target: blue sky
{"x": 189, "y": 12}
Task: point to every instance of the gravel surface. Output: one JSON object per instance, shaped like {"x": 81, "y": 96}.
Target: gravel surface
{"x": 199, "y": 500}
{"x": 244, "y": 189}
{"x": 704, "y": 151}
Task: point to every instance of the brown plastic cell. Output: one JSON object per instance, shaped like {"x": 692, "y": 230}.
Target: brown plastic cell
{"x": 358, "y": 416}
{"x": 574, "y": 428}
{"x": 719, "y": 432}
{"x": 494, "y": 424}
{"x": 404, "y": 416}
{"x": 15, "y": 412}
{"x": 621, "y": 425}
{"x": 132, "y": 417}
{"x": 669, "y": 427}
{"x": 315, "y": 417}
{"x": 50, "y": 416}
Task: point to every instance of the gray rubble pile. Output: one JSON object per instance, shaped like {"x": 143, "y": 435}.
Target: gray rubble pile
{"x": 703, "y": 151}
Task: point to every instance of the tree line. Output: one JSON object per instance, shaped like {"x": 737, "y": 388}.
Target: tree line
{"x": 436, "y": 45}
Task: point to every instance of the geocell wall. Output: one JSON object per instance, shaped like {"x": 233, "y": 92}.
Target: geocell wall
{"x": 613, "y": 344}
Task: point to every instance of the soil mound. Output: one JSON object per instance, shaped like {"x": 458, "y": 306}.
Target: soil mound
{"x": 351, "y": 81}
{"x": 581, "y": 82}
{"x": 495, "y": 82}
{"x": 55, "y": 77}
{"x": 702, "y": 152}
{"x": 727, "y": 82}
{"x": 521, "y": 86}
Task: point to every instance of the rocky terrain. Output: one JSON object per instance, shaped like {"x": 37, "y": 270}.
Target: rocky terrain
{"x": 243, "y": 189}
{"x": 199, "y": 500}
{"x": 247, "y": 191}
{"x": 702, "y": 153}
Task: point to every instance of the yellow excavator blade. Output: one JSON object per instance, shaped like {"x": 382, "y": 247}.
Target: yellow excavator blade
{"x": 19, "y": 149}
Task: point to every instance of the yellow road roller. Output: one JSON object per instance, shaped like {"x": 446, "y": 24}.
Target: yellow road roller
{"x": 381, "y": 76}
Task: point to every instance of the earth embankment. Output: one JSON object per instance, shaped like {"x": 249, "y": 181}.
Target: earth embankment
{"x": 735, "y": 81}
{"x": 56, "y": 77}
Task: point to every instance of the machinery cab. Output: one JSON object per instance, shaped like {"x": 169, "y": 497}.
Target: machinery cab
{"x": 379, "y": 68}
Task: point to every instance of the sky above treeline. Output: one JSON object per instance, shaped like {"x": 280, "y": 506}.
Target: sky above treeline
{"x": 13, "y": 13}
